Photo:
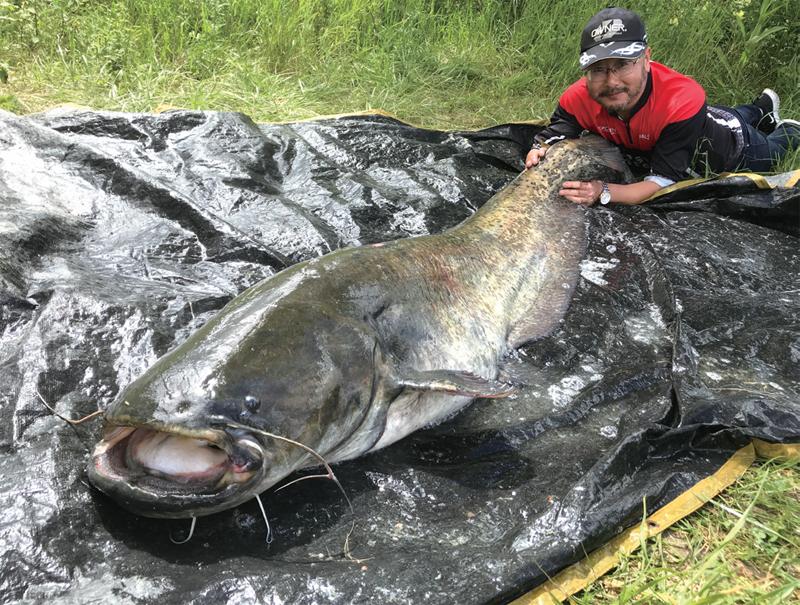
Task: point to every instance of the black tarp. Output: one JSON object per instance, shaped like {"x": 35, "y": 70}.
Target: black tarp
{"x": 121, "y": 233}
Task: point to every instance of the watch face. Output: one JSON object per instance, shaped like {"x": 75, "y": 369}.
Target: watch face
{"x": 605, "y": 197}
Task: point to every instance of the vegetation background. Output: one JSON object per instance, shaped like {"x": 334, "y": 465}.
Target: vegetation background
{"x": 441, "y": 64}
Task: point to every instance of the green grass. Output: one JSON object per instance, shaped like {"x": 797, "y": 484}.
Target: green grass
{"x": 442, "y": 64}
{"x": 743, "y": 547}
{"x": 435, "y": 63}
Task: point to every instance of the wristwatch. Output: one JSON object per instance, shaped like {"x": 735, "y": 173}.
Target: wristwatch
{"x": 605, "y": 195}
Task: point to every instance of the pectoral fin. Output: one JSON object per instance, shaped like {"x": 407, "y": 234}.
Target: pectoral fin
{"x": 455, "y": 382}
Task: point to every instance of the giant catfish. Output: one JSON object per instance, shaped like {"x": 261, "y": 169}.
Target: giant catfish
{"x": 349, "y": 352}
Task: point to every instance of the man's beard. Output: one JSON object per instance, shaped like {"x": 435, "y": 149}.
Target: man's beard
{"x": 617, "y": 106}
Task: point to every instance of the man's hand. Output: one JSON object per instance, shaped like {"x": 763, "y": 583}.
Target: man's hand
{"x": 584, "y": 193}
{"x": 534, "y": 156}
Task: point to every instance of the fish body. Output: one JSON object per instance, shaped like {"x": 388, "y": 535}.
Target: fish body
{"x": 351, "y": 351}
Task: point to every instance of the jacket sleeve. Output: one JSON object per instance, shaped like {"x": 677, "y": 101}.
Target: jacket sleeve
{"x": 563, "y": 125}
{"x": 674, "y": 151}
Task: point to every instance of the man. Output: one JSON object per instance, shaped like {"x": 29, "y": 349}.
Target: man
{"x": 649, "y": 109}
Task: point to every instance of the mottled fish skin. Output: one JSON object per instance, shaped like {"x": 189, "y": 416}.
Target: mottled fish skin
{"x": 352, "y": 351}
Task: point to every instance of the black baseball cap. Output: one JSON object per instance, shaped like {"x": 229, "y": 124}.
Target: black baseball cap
{"x": 613, "y": 33}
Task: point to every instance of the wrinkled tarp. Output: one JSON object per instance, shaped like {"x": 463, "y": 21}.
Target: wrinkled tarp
{"x": 120, "y": 234}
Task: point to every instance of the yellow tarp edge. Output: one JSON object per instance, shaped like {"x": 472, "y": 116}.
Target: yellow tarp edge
{"x": 352, "y": 114}
{"x": 583, "y": 573}
{"x": 333, "y": 116}
{"x": 388, "y": 114}
{"x": 167, "y": 107}
{"x": 779, "y": 451}
{"x": 759, "y": 180}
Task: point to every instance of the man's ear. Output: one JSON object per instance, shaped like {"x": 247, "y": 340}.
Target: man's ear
{"x": 647, "y": 57}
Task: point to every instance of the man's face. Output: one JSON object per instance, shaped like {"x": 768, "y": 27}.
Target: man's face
{"x": 617, "y": 84}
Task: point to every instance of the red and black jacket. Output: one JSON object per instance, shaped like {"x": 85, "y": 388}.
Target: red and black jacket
{"x": 671, "y": 125}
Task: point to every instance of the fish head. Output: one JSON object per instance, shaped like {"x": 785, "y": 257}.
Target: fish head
{"x": 234, "y": 410}
{"x": 587, "y": 158}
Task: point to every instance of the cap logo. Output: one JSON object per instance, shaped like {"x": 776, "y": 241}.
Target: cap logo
{"x": 608, "y": 29}
{"x": 634, "y": 48}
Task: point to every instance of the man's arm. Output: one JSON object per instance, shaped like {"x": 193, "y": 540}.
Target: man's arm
{"x": 587, "y": 193}
{"x": 563, "y": 125}
{"x": 669, "y": 162}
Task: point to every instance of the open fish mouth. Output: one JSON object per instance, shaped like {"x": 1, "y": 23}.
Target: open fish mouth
{"x": 165, "y": 474}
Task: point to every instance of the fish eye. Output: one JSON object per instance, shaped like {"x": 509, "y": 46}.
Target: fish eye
{"x": 252, "y": 403}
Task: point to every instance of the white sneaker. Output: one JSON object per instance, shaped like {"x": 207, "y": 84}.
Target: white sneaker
{"x": 793, "y": 123}
{"x": 769, "y": 103}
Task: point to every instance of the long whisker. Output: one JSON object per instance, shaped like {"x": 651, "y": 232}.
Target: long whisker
{"x": 348, "y": 553}
{"x": 263, "y": 512}
{"x": 299, "y": 479}
{"x": 189, "y": 537}
{"x": 331, "y": 475}
{"x": 65, "y": 419}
